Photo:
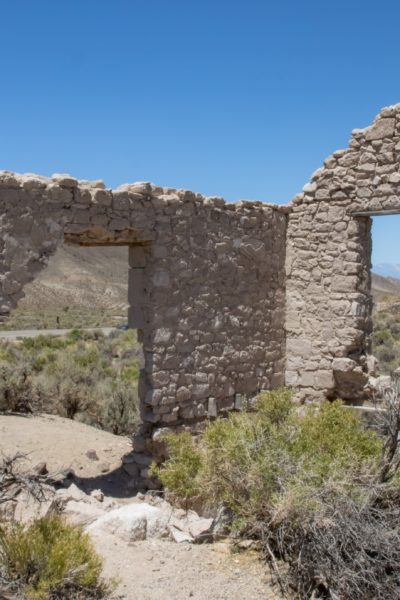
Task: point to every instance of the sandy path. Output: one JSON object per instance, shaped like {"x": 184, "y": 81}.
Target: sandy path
{"x": 147, "y": 570}
{"x": 63, "y": 444}
{"x": 163, "y": 570}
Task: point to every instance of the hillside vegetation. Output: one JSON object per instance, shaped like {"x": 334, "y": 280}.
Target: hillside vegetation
{"x": 85, "y": 376}
{"x": 386, "y": 322}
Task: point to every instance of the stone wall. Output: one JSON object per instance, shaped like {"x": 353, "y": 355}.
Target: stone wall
{"x": 206, "y": 282}
{"x": 226, "y": 297}
{"x": 328, "y": 261}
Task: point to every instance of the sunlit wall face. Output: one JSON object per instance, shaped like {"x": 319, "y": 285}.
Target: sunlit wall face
{"x": 386, "y": 245}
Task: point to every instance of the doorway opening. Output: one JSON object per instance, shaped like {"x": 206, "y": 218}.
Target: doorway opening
{"x": 385, "y": 288}
{"x": 67, "y": 346}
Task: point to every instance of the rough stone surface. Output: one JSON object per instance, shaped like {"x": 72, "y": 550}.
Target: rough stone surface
{"x": 206, "y": 282}
{"x": 229, "y": 299}
{"x": 328, "y": 264}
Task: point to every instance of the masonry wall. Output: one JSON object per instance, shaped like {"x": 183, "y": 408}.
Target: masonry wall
{"x": 328, "y": 319}
{"x": 206, "y": 282}
{"x": 228, "y": 299}
{"x": 213, "y": 308}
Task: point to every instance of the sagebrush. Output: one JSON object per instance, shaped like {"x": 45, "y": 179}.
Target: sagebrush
{"x": 319, "y": 490}
{"x": 247, "y": 460}
{"x": 49, "y": 559}
{"x": 87, "y": 376}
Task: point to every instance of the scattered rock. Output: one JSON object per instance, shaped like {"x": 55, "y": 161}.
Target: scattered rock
{"x": 97, "y": 495}
{"x": 41, "y": 468}
{"x": 92, "y": 454}
{"x": 82, "y": 513}
{"x": 72, "y": 492}
{"x": 136, "y": 521}
{"x": 179, "y": 536}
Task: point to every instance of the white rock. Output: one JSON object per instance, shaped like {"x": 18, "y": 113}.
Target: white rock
{"x": 133, "y": 522}
{"x": 82, "y": 513}
{"x": 72, "y": 493}
{"x": 179, "y": 536}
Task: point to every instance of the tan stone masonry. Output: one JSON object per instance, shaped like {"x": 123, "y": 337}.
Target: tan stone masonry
{"x": 229, "y": 298}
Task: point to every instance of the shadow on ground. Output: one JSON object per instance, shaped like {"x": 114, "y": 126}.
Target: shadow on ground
{"x": 115, "y": 484}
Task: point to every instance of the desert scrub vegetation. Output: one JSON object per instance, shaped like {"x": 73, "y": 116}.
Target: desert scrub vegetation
{"x": 49, "y": 559}
{"x": 386, "y": 339}
{"x": 85, "y": 375}
{"x": 318, "y": 490}
{"x": 246, "y": 459}
{"x": 66, "y": 317}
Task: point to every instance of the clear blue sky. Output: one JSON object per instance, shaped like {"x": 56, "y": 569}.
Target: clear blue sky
{"x": 237, "y": 98}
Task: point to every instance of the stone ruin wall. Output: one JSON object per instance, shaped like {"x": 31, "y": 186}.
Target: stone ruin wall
{"x": 206, "y": 283}
{"x": 229, "y": 299}
{"x": 328, "y": 262}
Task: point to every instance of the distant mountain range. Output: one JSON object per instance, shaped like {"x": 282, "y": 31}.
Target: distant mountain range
{"x": 387, "y": 269}
{"x": 382, "y": 287}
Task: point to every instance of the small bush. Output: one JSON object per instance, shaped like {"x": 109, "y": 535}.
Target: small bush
{"x": 50, "y": 559}
{"x": 18, "y": 392}
{"x": 180, "y": 474}
{"x": 321, "y": 492}
{"x": 85, "y": 376}
{"x": 247, "y": 461}
{"x": 120, "y": 409}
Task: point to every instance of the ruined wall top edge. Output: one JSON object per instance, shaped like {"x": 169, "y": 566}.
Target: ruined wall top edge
{"x": 97, "y": 193}
{"x": 383, "y": 129}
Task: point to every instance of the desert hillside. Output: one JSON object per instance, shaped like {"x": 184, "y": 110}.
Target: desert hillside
{"x": 385, "y": 286}
{"x": 79, "y": 276}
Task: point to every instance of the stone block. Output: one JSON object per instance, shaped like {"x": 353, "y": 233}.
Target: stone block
{"x": 137, "y": 257}
{"x": 212, "y": 407}
{"x": 324, "y": 380}
{"x": 380, "y": 129}
{"x": 161, "y": 279}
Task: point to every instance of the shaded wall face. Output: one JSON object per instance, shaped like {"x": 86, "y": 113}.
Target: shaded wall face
{"x": 328, "y": 263}
{"x": 328, "y": 320}
{"x": 206, "y": 282}
{"x": 213, "y": 310}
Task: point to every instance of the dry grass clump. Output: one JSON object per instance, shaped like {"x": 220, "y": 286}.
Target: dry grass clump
{"x": 45, "y": 559}
{"x": 49, "y": 559}
{"x": 85, "y": 376}
{"x": 318, "y": 490}
{"x": 335, "y": 543}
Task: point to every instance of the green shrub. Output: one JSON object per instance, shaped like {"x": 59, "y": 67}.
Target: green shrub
{"x": 18, "y": 392}
{"x": 330, "y": 439}
{"x": 84, "y": 375}
{"x": 119, "y": 405}
{"x": 247, "y": 461}
{"x": 49, "y": 558}
{"x": 180, "y": 474}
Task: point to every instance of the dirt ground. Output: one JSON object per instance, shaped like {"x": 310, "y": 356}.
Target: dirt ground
{"x": 146, "y": 570}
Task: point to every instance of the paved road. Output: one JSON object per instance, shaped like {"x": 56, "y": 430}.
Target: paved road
{"x": 14, "y": 335}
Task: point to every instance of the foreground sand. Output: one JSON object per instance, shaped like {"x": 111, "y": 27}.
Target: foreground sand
{"x": 146, "y": 570}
